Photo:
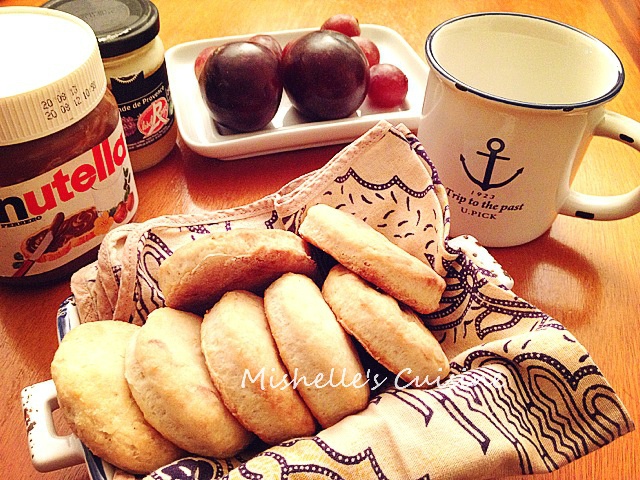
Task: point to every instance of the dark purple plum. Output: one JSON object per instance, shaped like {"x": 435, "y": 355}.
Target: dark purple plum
{"x": 241, "y": 86}
{"x": 325, "y": 75}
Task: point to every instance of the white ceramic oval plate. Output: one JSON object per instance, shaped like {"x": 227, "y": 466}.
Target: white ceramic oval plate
{"x": 288, "y": 130}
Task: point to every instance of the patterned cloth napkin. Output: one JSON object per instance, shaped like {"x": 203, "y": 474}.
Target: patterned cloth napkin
{"x": 523, "y": 396}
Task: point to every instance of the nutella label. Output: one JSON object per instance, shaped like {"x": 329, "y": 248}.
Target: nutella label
{"x": 145, "y": 106}
{"x": 56, "y": 217}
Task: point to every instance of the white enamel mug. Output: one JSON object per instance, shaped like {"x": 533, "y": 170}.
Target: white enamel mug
{"x": 511, "y": 104}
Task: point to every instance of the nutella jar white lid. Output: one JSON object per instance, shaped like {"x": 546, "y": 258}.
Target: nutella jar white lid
{"x": 52, "y": 74}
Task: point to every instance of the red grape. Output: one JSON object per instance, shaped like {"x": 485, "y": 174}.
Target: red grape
{"x": 369, "y": 49}
{"x": 388, "y": 85}
{"x": 343, "y": 23}
{"x": 287, "y": 46}
{"x": 269, "y": 42}
{"x": 201, "y": 59}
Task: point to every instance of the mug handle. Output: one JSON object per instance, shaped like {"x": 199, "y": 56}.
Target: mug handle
{"x": 612, "y": 207}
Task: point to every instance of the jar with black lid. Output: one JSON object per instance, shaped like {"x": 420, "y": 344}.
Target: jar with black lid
{"x": 65, "y": 174}
{"x": 133, "y": 57}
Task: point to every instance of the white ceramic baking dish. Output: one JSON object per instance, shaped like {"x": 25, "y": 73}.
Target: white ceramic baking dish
{"x": 50, "y": 450}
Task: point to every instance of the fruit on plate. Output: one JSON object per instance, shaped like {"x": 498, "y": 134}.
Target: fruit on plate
{"x": 343, "y": 23}
{"x": 240, "y": 84}
{"x": 201, "y": 59}
{"x": 388, "y": 86}
{"x": 325, "y": 75}
{"x": 268, "y": 41}
{"x": 369, "y": 48}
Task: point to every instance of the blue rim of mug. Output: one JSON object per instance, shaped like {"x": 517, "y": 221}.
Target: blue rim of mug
{"x": 615, "y": 89}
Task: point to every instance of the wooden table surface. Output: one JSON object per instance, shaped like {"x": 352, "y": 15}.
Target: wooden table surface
{"x": 583, "y": 273}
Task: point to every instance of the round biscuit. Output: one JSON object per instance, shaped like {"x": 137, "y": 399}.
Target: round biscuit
{"x": 95, "y": 400}
{"x": 243, "y": 361}
{"x": 169, "y": 380}
{"x": 200, "y": 272}
{"x": 367, "y": 252}
{"x": 392, "y": 334}
{"x": 316, "y": 350}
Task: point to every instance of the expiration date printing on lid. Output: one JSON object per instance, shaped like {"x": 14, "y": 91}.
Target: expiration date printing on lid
{"x": 288, "y": 130}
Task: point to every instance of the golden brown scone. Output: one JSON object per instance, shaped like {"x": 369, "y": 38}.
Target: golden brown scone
{"x": 169, "y": 380}
{"x": 245, "y": 367}
{"x": 88, "y": 372}
{"x": 311, "y": 342}
{"x": 200, "y": 272}
{"x": 367, "y": 252}
{"x": 392, "y": 335}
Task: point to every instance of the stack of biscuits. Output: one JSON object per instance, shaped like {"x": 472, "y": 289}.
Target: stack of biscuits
{"x": 252, "y": 345}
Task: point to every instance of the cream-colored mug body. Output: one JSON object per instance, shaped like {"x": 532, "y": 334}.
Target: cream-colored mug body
{"x": 511, "y": 104}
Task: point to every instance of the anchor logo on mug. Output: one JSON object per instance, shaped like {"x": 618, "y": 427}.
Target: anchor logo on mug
{"x": 495, "y": 146}
{"x": 511, "y": 104}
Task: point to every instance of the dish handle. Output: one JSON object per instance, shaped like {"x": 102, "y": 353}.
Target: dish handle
{"x": 49, "y": 451}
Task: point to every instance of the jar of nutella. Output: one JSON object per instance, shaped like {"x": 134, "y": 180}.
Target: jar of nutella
{"x": 133, "y": 56}
{"x": 65, "y": 173}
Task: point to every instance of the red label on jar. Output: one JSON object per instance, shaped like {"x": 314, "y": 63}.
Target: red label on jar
{"x": 154, "y": 118}
{"x": 55, "y": 217}
{"x": 145, "y": 106}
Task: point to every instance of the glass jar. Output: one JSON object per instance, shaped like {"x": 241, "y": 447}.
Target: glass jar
{"x": 65, "y": 173}
{"x": 133, "y": 57}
